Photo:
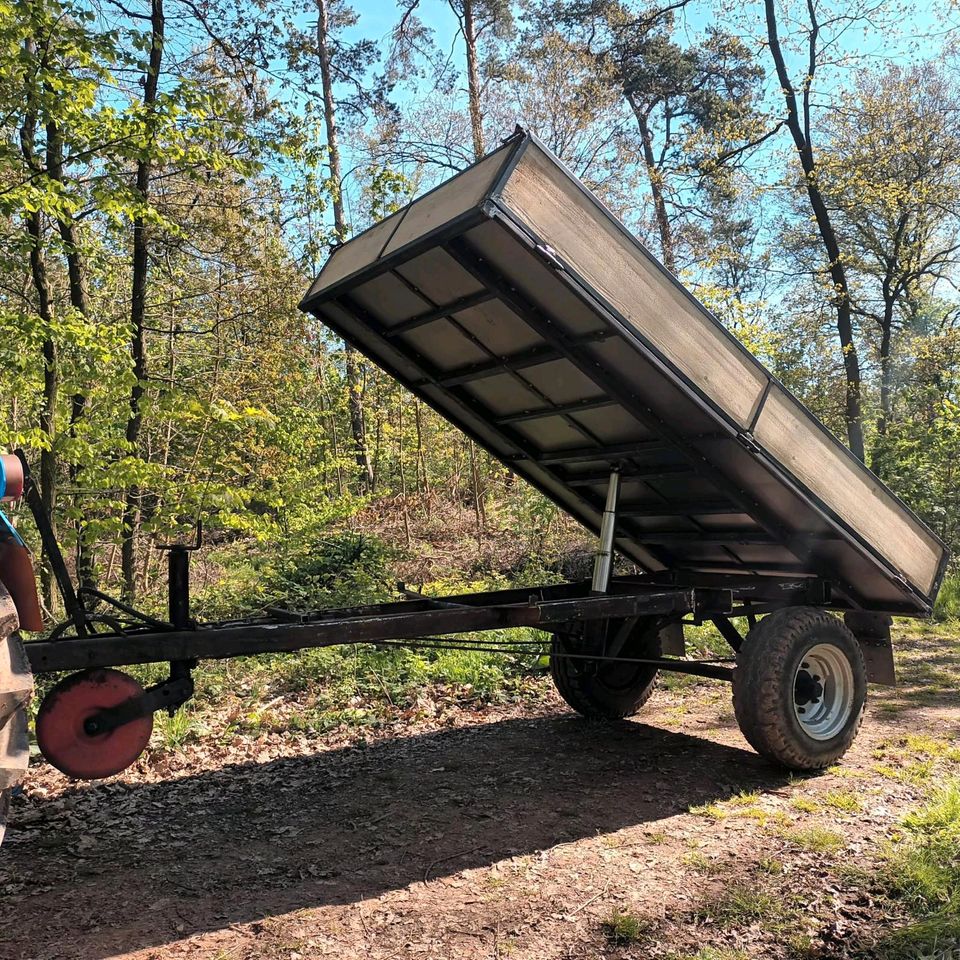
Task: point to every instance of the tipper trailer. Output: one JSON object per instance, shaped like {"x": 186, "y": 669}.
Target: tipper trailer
{"x": 516, "y": 305}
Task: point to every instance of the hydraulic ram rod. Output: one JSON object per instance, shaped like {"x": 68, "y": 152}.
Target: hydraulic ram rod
{"x": 603, "y": 564}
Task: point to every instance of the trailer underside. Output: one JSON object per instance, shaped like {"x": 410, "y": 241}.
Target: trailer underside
{"x": 423, "y": 621}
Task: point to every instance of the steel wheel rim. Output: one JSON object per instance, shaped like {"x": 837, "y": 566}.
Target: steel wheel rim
{"x": 823, "y": 691}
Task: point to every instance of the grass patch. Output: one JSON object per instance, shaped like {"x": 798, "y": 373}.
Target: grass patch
{"x": 175, "y": 732}
{"x": 816, "y": 839}
{"x": 922, "y": 870}
{"x": 844, "y": 800}
{"x": 702, "y": 863}
{"x": 937, "y": 939}
{"x": 771, "y": 866}
{"x": 918, "y": 773}
{"x": 741, "y": 905}
{"x": 923, "y": 867}
{"x": 712, "y": 811}
{"x": 745, "y": 798}
{"x": 622, "y": 928}
{"x": 919, "y": 745}
{"x": 743, "y": 804}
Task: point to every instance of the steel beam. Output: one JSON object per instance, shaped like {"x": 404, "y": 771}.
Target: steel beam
{"x": 220, "y": 641}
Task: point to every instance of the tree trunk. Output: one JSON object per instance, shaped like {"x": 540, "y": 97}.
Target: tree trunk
{"x": 473, "y": 79}
{"x": 352, "y": 359}
{"x": 79, "y": 300}
{"x": 51, "y": 378}
{"x": 878, "y": 458}
{"x": 138, "y": 306}
{"x": 476, "y": 128}
{"x": 655, "y": 177}
{"x": 51, "y": 387}
{"x": 800, "y": 130}
{"x": 886, "y": 361}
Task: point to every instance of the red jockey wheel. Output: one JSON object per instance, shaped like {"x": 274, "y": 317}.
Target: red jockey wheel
{"x": 66, "y": 730}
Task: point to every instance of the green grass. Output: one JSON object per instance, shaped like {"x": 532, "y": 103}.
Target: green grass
{"x": 701, "y": 863}
{"x": 175, "y": 732}
{"x": 937, "y": 938}
{"x": 805, "y": 804}
{"x": 712, "y": 811}
{"x": 846, "y": 801}
{"x": 743, "y": 904}
{"x": 318, "y": 690}
{"x": 622, "y": 928}
{"x": 947, "y": 606}
{"x": 923, "y": 865}
{"x": 922, "y": 871}
{"x": 816, "y": 839}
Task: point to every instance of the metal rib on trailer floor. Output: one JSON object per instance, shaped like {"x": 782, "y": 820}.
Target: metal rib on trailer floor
{"x": 517, "y": 306}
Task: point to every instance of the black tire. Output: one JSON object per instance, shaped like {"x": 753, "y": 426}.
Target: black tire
{"x": 606, "y": 690}
{"x": 786, "y": 710}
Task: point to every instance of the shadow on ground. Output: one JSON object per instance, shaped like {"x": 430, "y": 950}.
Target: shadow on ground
{"x": 117, "y": 867}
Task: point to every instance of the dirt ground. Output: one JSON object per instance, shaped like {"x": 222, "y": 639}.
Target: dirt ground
{"x": 514, "y": 831}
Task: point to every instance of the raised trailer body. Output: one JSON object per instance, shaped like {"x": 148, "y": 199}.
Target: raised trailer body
{"x": 516, "y": 305}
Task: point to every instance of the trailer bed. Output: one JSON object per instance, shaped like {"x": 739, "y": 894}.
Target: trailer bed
{"x": 511, "y": 301}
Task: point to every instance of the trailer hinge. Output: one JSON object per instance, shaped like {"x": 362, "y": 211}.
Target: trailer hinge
{"x": 747, "y": 441}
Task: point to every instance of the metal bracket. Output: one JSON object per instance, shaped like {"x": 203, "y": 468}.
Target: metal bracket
{"x": 178, "y": 579}
{"x": 873, "y": 632}
{"x": 168, "y": 696}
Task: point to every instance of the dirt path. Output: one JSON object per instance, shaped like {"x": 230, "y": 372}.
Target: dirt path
{"x": 513, "y": 832}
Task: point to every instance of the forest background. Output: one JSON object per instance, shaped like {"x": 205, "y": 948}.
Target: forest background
{"x": 173, "y": 173}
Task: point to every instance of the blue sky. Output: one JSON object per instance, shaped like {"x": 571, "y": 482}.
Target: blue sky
{"x": 912, "y": 29}
{"x": 921, "y": 25}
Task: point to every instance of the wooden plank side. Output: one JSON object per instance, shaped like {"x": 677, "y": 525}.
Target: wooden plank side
{"x": 456, "y": 196}
{"x": 357, "y": 253}
{"x": 550, "y": 203}
{"x": 788, "y": 432}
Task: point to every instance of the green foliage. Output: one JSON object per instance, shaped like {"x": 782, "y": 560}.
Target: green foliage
{"x": 947, "y": 606}
{"x": 306, "y": 570}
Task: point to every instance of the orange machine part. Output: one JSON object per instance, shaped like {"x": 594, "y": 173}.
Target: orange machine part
{"x": 62, "y": 735}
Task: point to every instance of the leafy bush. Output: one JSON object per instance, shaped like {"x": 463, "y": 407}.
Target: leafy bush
{"x": 307, "y": 570}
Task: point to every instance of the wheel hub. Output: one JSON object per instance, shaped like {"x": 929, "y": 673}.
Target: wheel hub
{"x": 823, "y": 691}
{"x": 807, "y": 688}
